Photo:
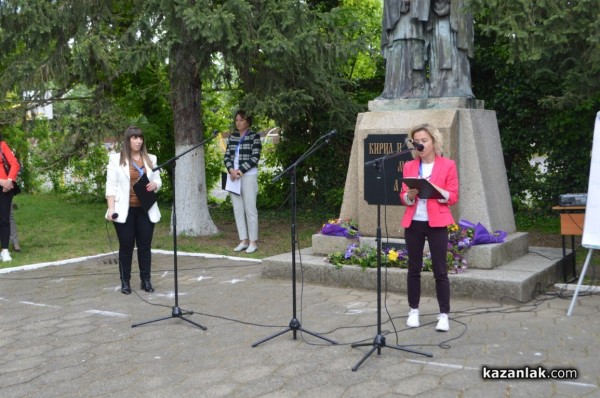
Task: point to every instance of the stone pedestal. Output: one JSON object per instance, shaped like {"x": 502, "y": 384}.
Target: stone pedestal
{"x": 472, "y": 139}
{"x": 326, "y": 244}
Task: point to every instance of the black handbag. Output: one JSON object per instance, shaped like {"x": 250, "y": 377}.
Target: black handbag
{"x": 16, "y": 188}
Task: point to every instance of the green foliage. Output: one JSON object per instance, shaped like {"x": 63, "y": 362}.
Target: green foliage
{"x": 300, "y": 78}
{"x": 540, "y": 115}
{"x": 363, "y": 255}
{"x": 69, "y": 150}
{"x": 305, "y": 66}
{"x": 271, "y": 195}
{"x": 360, "y": 23}
{"x": 292, "y": 62}
{"x": 552, "y": 37}
{"x": 537, "y": 220}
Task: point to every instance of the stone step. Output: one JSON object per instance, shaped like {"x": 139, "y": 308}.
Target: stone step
{"x": 520, "y": 279}
{"x": 486, "y": 256}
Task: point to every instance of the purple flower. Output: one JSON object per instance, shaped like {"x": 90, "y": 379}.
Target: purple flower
{"x": 350, "y": 250}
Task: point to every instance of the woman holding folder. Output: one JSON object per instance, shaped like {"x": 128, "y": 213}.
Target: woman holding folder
{"x": 241, "y": 161}
{"x": 134, "y": 214}
{"x": 428, "y": 218}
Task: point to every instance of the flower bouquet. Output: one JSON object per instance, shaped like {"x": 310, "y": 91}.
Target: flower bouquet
{"x": 480, "y": 234}
{"x": 460, "y": 238}
{"x": 366, "y": 257}
{"x": 339, "y": 227}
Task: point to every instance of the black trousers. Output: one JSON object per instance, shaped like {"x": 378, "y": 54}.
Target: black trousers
{"x": 5, "y": 207}
{"x": 136, "y": 231}
{"x": 438, "y": 246}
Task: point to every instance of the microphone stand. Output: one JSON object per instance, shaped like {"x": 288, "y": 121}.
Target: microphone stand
{"x": 176, "y": 311}
{"x": 379, "y": 340}
{"x": 295, "y": 325}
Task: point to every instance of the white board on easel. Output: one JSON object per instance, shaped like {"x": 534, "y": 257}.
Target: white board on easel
{"x": 591, "y": 226}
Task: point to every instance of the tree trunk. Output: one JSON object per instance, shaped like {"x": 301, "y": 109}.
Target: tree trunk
{"x": 191, "y": 193}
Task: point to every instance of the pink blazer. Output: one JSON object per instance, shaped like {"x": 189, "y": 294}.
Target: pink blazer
{"x": 445, "y": 176}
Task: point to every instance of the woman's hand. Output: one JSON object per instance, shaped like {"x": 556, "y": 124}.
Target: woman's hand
{"x": 234, "y": 174}
{"x": 109, "y": 215}
{"x": 411, "y": 194}
{"x": 6, "y": 185}
{"x": 152, "y": 186}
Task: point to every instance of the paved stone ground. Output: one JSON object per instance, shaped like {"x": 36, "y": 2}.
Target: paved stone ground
{"x": 66, "y": 331}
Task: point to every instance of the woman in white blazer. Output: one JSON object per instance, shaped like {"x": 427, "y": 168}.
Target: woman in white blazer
{"x": 134, "y": 225}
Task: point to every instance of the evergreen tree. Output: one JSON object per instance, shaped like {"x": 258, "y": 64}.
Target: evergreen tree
{"x": 284, "y": 55}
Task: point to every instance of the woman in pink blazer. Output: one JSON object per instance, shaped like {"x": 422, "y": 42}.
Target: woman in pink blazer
{"x": 428, "y": 219}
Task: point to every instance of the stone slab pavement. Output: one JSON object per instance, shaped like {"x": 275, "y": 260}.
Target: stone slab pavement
{"x": 66, "y": 331}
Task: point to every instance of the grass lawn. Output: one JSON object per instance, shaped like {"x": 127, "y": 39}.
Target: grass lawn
{"x": 57, "y": 227}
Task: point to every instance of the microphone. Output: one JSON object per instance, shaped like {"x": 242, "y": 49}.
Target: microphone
{"x": 328, "y": 136}
{"x": 417, "y": 146}
{"x": 114, "y": 216}
{"x": 215, "y": 132}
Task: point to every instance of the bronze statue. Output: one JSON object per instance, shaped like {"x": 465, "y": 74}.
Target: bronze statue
{"x": 427, "y": 45}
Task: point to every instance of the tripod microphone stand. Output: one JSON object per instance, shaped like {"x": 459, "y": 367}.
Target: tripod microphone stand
{"x": 176, "y": 312}
{"x": 379, "y": 340}
{"x": 295, "y": 325}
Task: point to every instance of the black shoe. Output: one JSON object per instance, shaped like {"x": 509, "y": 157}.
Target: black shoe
{"x": 125, "y": 288}
{"x": 147, "y": 286}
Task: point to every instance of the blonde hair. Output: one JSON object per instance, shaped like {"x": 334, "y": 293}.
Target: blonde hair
{"x": 434, "y": 133}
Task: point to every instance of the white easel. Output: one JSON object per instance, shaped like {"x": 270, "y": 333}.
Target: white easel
{"x": 591, "y": 227}
{"x": 585, "y": 265}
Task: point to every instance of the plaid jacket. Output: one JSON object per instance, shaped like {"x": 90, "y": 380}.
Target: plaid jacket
{"x": 249, "y": 151}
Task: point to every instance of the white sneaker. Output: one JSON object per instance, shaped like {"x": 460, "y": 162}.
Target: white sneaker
{"x": 413, "y": 318}
{"x": 443, "y": 325}
{"x": 251, "y": 249}
{"x": 5, "y": 255}
{"x": 240, "y": 247}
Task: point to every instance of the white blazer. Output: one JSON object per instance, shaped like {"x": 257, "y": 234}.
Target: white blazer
{"x": 118, "y": 185}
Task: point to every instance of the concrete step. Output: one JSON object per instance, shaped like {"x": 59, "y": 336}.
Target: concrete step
{"x": 520, "y": 279}
{"x": 486, "y": 256}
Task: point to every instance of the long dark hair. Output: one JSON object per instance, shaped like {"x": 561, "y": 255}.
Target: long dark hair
{"x": 133, "y": 131}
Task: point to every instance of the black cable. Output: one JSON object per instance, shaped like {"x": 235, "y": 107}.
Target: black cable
{"x": 546, "y": 257}
{"x": 519, "y": 307}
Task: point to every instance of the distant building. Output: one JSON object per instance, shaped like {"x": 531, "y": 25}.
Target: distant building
{"x": 43, "y": 111}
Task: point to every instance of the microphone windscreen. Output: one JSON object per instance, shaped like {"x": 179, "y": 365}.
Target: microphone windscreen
{"x": 114, "y": 216}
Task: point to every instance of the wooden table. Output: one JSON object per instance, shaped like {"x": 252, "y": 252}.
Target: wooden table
{"x": 571, "y": 224}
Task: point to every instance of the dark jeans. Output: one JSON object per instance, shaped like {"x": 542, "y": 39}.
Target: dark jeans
{"x": 137, "y": 230}
{"x": 5, "y": 207}
{"x": 438, "y": 245}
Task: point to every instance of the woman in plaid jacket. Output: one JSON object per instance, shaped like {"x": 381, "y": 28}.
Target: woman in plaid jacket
{"x": 241, "y": 161}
